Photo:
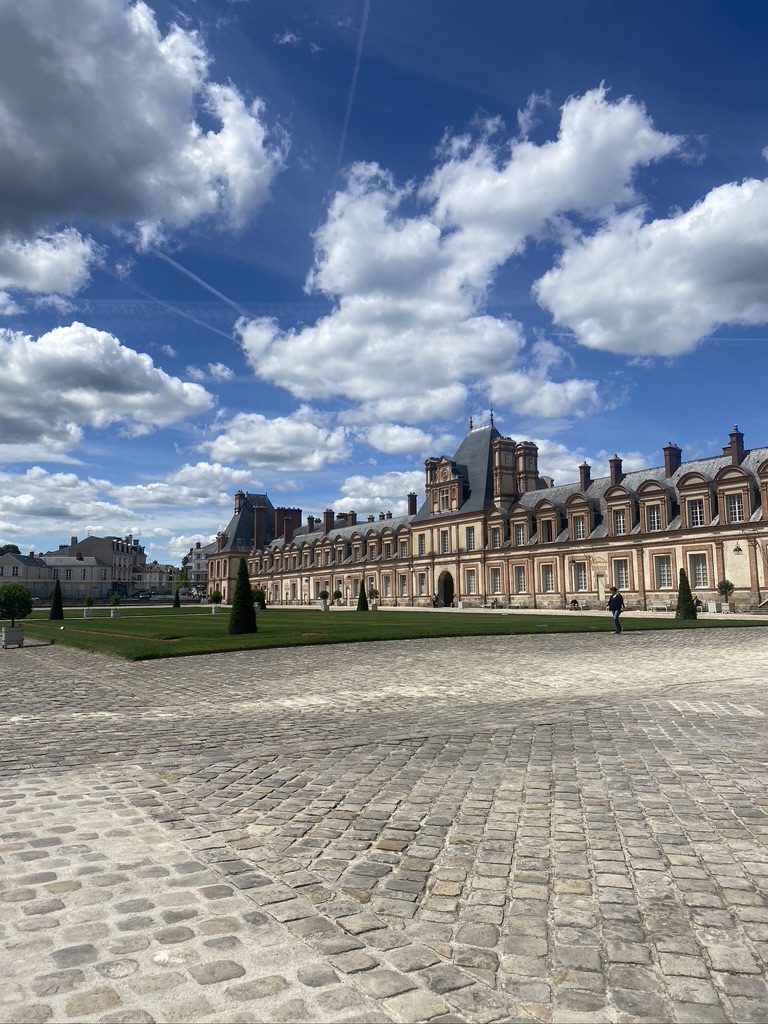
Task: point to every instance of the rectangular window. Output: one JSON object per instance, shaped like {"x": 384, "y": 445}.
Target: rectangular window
{"x": 443, "y": 542}
{"x": 386, "y": 586}
{"x": 67, "y": 574}
{"x": 355, "y": 587}
{"x": 387, "y": 550}
{"x": 421, "y": 584}
{"x": 653, "y": 518}
{"x": 445, "y": 503}
{"x": 519, "y": 579}
{"x": 83, "y": 574}
{"x": 495, "y": 580}
{"x": 735, "y": 508}
{"x": 698, "y": 569}
{"x": 578, "y": 527}
{"x": 402, "y": 585}
{"x": 293, "y": 591}
{"x": 2, "y": 570}
{"x": 621, "y": 573}
{"x": 422, "y": 543}
{"x": 619, "y": 521}
{"x": 696, "y": 512}
{"x": 545, "y": 530}
{"x": 370, "y": 584}
{"x": 327, "y": 558}
{"x": 579, "y": 575}
{"x": 519, "y": 535}
{"x": 495, "y": 537}
{"x": 547, "y": 579}
{"x": 403, "y": 548}
{"x": 663, "y": 572}
{"x": 470, "y": 538}
{"x": 469, "y": 581}
{"x": 371, "y": 551}
{"x": 15, "y": 570}
{"x": 317, "y": 588}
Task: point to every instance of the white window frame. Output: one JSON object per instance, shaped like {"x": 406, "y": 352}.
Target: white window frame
{"x": 494, "y": 580}
{"x": 422, "y": 544}
{"x": 662, "y": 572}
{"x": 620, "y": 567}
{"x": 698, "y": 570}
{"x": 470, "y": 582}
{"x": 619, "y": 518}
{"x": 519, "y": 535}
{"x": 421, "y": 584}
{"x": 495, "y": 536}
{"x": 580, "y": 576}
{"x": 578, "y": 527}
{"x": 402, "y": 585}
{"x": 547, "y": 578}
{"x": 445, "y": 545}
{"x": 735, "y": 506}
{"x": 470, "y": 538}
{"x": 694, "y": 508}
{"x": 653, "y": 518}
{"x": 519, "y": 574}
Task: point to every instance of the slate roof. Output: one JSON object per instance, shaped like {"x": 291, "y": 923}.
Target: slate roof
{"x": 239, "y": 529}
{"x": 345, "y": 533}
{"x": 474, "y": 462}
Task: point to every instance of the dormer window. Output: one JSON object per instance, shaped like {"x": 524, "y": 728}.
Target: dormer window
{"x": 735, "y": 508}
{"x": 578, "y": 528}
{"x": 445, "y": 499}
{"x": 695, "y": 509}
{"x": 653, "y": 518}
{"x": 619, "y": 521}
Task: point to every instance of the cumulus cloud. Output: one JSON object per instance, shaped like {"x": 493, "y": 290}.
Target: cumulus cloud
{"x": 188, "y": 487}
{"x": 74, "y": 377}
{"x": 101, "y": 119}
{"x": 58, "y": 263}
{"x": 409, "y": 266}
{"x": 562, "y": 463}
{"x": 394, "y": 439}
{"x": 386, "y": 492}
{"x": 40, "y": 496}
{"x": 658, "y": 288}
{"x": 285, "y": 443}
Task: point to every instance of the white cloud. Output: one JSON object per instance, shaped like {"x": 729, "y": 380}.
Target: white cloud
{"x": 562, "y": 463}
{"x": 56, "y": 263}
{"x": 286, "y": 443}
{"x": 658, "y": 288}
{"x": 220, "y": 372}
{"x": 394, "y": 439}
{"x": 409, "y": 268}
{"x": 369, "y": 495}
{"x": 100, "y": 119}
{"x": 203, "y": 484}
{"x": 74, "y": 377}
{"x": 286, "y": 38}
{"x": 41, "y": 497}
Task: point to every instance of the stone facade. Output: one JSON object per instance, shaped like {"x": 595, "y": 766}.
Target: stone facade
{"x": 492, "y": 531}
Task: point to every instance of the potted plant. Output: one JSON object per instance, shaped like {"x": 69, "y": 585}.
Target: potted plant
{"x": 336, "y": 597}
{"x": 215, "y": 598}
{"x": 373, "y": 597}
{"x": 88, "y": 607}
{"x": 114, "y": 601}
{"x": 259, "y": 599}
{"x": 725, "y": 588}
{"x": 324, "y": 595}
{"x": 15, "y": 603}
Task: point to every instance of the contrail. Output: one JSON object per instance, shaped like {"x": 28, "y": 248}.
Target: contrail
{"x": 198, "y": 280}
{"x": 165, "y": 305}
{"x": 350, "y": 98}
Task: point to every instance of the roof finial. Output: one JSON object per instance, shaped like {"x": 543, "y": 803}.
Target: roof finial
{"x": 491, "y": 415}
{"x": 470, "y": 422}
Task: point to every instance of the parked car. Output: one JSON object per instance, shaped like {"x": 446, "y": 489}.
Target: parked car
{"x": 143, "y": 595}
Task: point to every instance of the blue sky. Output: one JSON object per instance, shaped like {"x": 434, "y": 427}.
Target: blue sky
{"x": 293, "y": 246}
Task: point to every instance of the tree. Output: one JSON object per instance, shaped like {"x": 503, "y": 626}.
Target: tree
{"x": 176, "y": 599}
{"x": 114, "y": 600}
{"x": 336, "y": 595}
{"x": 242, "y": 617}
{"x": 215, "y": 597}
{"x": 725, "y": 588}
{"x": 362, "y": 600}
{"x": 685, "y": 607}
{"x": 57, "y": 608}
{"x": 15, "y": 602}
{"x": 259, "y": 598}
{"x": 9, "y": 549}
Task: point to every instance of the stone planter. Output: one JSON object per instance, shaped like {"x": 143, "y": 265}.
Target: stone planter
{"x": 114, "y": 613}
{"x": 325, "y": 606}
{"x": 13, "y": 636}
{"x": 87, "y": 613}
{"x": 215, "y": 609}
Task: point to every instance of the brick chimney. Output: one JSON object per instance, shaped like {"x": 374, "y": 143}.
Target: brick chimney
{"x": 389, "y": 515}
{"x": 673, "y": 457}
{"x": 614, "y": 465}
{"x": 411, "y": 499}
{"x": 310, "y": 524}
{"x": 371, "y": 519}
{"x": 239, "y": 500}
{"x": 585, "y": 478}
{"x": 382, "y": 517}
{"x": 351, "y": 518}
{"x": 736, "y": 446}
{"x": 328, "y": 520}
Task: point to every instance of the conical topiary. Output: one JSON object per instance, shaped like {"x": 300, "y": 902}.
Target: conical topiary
{"x": 362, "y": 600}
{"x": 242, "y": 617}
{"x": 57, "y": 608}
{"x": 685, "y": 606}
{"x": 176, "y": 599}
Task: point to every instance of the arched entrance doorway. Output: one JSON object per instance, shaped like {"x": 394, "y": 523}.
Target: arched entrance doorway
{"x": 445, "y": 590}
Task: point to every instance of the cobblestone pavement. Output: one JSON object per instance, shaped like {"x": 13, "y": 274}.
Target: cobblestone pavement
{"x": 547, "y": 828}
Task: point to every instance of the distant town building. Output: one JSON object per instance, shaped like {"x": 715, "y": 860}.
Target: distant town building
{"x": 493, "y": 531}
{"x": 79, "y": 576}
{"x": 29, "y": 571}
{"x": 123, "y": 556}
{"x": 195, "y": 565}
{"x": 155, "y": 579}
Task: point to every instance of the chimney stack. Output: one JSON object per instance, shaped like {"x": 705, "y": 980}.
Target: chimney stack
{"x": 736, "y": 446}
{"x": 381, "y": 517}
{"x": 614, "y": 465}
{"x": 389, "y": 515}
{"x": 411, "y": 498}
{"x": 328, "y": 520}
{"x": 585, "y": 477}
{"x": 310, "y": 524}
{"x": 673, "y": 457}
{"x": 371, "y": 519}
{"x": 239, "y": 499}
{"x": 351, "y": 518}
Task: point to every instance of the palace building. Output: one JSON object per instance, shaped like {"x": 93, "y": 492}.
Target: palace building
{"x": 493, "y": 531}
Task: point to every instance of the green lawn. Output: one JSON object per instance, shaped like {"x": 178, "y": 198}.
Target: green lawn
{"x": 142, "y": 633}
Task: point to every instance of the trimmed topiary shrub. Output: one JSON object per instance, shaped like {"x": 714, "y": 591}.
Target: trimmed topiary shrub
{"x": 362, "y": 600}
{"x": 57, "y": 608}
{"x": 242, "y": 616}
{"x": 685, "y": 606}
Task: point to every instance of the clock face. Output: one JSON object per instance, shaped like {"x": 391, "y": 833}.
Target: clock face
{"x": 445, "y": 474}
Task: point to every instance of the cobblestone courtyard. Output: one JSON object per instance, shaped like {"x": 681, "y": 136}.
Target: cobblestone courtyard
{"x": 547, "y": 828}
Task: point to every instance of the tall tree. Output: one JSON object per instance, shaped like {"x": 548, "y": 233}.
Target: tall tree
{"x": 57, "y": 608}
{"x": 15, "y": 602}
{"x": 685, "y": 606}
{"x": 362, "y": 600}
{"x": 242, "y": 617}
{"x": 9, "y": 549}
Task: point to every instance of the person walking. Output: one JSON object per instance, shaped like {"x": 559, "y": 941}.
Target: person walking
{"x": 615, "y": 607}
